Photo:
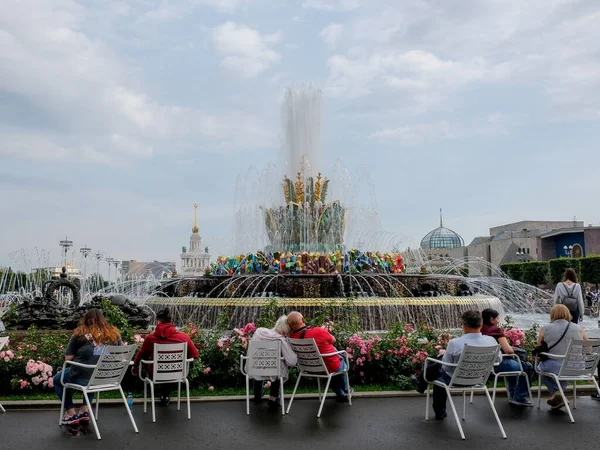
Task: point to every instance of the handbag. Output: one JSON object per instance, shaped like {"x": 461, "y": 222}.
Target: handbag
{"x": 543, "y": 347}
{"x": 521, "y": 353}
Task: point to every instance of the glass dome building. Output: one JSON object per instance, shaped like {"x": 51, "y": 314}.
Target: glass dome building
{"x": 441, "y": 238}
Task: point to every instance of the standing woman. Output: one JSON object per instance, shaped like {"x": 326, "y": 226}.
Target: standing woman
{"x": 568, "y": 293}
{"x": 85, "y": 347}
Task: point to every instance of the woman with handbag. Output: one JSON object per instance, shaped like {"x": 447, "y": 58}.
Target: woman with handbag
{"x": 517, "y": 386}
{"x": 557, "y": 335}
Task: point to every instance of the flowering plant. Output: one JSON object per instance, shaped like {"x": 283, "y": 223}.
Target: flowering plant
{"x": 37, "y": 373}
{"x": 515, "y": 337}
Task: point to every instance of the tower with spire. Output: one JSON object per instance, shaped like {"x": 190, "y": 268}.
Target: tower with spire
{"x": 194, "y": 261}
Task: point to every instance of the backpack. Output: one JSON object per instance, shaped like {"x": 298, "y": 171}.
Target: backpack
{"x": 570, "y": 301}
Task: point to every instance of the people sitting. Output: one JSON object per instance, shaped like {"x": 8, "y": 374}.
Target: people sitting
{"x": 278, "y": 333}
{"x": 517, "y": 386}
{"x": 324, "y": 341}
{"x": 471, "y": 324}
{"x": 85, "y": 347}
{"x": 557, "y": 334}
{"x": 165, "y": 333}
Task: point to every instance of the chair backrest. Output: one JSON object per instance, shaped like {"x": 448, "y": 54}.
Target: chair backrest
{"x": 581, "y": 358}
{"x": 170, "y": 362}
{"x": 264, "y": 358}
{"x": 309, "y": 357}
{"x": 474, "y": 365}
{"x": 112, "y": 365}
{"x": 3, "y": 341}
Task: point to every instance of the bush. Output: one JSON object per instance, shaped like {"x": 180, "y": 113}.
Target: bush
{"x": 513, "y": 270}
{"x": 590, "y": 269}
{"x": 535, "y": 272}
{"x": 559, "y": 265}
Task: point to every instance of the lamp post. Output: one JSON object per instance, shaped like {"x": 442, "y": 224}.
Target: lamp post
{"x": 98, "y": 256}
{"x": 568, "y": 250}
{"x": 66, "y": 244}
{"x": 85, "y": 251}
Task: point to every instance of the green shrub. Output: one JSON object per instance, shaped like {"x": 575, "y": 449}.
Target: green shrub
{"x": 590, "y": 269}
{"x": 513, "y": 270}
{"x": 535, "y": 272}
{"x": 559, "y": 265}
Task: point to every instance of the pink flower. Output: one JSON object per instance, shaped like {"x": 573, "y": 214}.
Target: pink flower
{"x": 362, "y": 374}
{"x": 19, "y": 357}
{"x": 206, "y": 371}
{"x": 442, "y": 351}
{"x": 377, "y": 356}
{"x": 24, "y": 384}
{"x": 51, "y": 383}
{"x": 6, "y": 359}
{"x": 267, "y": 385}
{"x": 211, "y": 388}
{"x": 2, "y": 354}
{"x": 10, "y": 354}
{"x": 220, "y": 343}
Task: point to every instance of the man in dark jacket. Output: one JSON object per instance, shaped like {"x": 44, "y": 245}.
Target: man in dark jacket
{"x": 165, "y": 333}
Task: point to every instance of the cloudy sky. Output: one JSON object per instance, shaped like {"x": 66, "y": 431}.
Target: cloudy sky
{"x": 116, "y": 116}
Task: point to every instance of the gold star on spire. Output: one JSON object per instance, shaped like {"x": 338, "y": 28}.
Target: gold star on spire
{"x": 195, "y": 229}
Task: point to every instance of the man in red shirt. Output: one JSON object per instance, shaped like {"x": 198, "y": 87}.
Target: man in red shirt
{"x": 324, "y": 341}
{"x": 165, "y": 333}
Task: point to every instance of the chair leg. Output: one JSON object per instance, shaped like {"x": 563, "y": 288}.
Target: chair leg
{"x": 2, "y": 408}
{"x": 465, "y": 405}
{"x": 145, "y": 396}
{"x": 539, "y": 389}
{"x": 427, "y": 402}
{"x": 449, "y": 395}
{"x": 62, "y": 407}
{"x": 494, "y": 391}
{"x": 152, "y": 401}
{"x": 574, "y": 394}
{"x": 596, "y": 384}
{"x": 564, "y": 398}
{"x": 528, "y": 385}
{"x": 187, "y": 392}
{"x": 495, "y": 413}
{"x": 294, "y": 393}
{"x": 281, "y": 395}
{"x": 349, "y": 390}
{"x": 319, "y": 387}
{"x": 179, "y": 396}
{"x": 471, "y": 401}
{"x": 324, "y": 396}
{"x": 91, "y": 411}
{"x": 128, "y": 410}
{"x": 247, "y": 395}
{"x": 97, "y": 404}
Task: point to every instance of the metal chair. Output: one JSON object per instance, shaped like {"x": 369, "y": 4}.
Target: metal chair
{"x": 470, "y": 374}
{"x": 107, "y": 376}
{"x": 578, "y": 364}
{"x": 169, "y": 365}
{"x": 311, "y": 364}
{"x": 3, "y": 341}
{"x": 262, "y": 360}
{"x": 506, "y": 375}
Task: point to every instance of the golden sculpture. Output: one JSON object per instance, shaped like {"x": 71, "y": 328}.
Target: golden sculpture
{"x": 318, "y": 188}
{"x": 195, "y": 229}
{"x": 286, "y": 189}
{"x": 299, "y": 189}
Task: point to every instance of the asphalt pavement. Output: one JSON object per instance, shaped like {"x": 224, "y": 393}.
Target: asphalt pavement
{"x": 370, "y": 423}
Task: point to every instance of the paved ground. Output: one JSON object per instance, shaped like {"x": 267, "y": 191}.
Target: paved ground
{"x": 370, "y": 423}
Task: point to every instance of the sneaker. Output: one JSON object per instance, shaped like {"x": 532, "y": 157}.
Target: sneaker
{"x": 83, "y": 416}
{"x": 164, "y": 400}
{"x": 441, "y": 415}
{"x": 555, "y": 399}
{"x": 70, "y": 419}
{"x": 595, "y": 396}
{"x": 560, "y": 404}
{"x": 521, "y": 402}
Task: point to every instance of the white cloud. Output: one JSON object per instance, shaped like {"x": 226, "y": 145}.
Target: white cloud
{"x": 332, "y": 34}
{"x": 245, "y": 51}
{"x": 226, "y": 6}
{"x": 331, "y": 5}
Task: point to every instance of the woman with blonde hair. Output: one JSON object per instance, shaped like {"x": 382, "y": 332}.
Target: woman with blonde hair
{"x": 279, "y": 332}
{"x": 557, "y": 334}
{"x": 85, "y": 347}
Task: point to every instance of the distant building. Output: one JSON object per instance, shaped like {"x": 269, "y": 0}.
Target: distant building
{"x": 194, "y": 260}
{"x": 154, "y": 269}
{"x": 55, "y": 271}
{"x": 529, "y": 240}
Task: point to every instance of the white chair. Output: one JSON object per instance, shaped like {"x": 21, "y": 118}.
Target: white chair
{"x": 107, "y": 376}
{"x": 170, "y": 364}
{"x": 3, "y": 341}
{"x": 262, "y": 360}
{"x": 470, "y": 374}
{"x": 578, "y": 364}
{"x": 311, "y": 364}
{"x": 515, "y": 373}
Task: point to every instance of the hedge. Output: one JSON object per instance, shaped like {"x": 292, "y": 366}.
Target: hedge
{"x": 559, "y": 265}
{"x": 590, "y": 269}
{"x": 535, "y": 272}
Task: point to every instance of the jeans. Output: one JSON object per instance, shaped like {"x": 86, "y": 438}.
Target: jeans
{"x": 273, "y": 391}
{"x": 575, "y": 315}
{"x": 439, "y": 394}
{"x": 58, "y": 387}
{"x": 517, "y": 386}
{"x": 339, "y": 383}
{"x": 552, "y": 366}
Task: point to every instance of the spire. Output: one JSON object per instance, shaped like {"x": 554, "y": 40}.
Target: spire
{"x": 441, "y": 222}
{"x": 195, "y": 229}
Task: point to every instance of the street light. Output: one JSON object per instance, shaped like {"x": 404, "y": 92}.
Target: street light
{"x": 568, "y": 250}
{"x": 66, "y": 244}
{"x": 85, "y": 251}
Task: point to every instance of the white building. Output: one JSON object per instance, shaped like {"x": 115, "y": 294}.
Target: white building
{"x": 194, "y": 261}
